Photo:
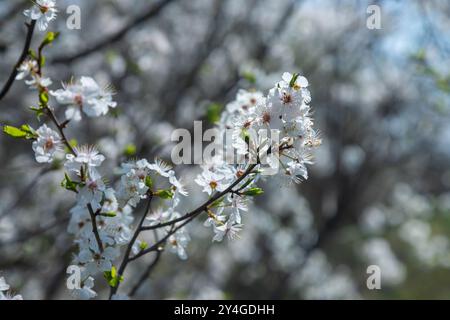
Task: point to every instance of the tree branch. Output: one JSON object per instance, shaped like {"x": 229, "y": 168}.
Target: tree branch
{"x": 153, "y": 11}
{"x": 22, "y": 58}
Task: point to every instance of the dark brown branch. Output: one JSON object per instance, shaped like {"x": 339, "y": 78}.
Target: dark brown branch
{"x": 193, "y": 214}
{"x": 188, "y": 217}
{"x": 153, "y": 11}
{"x": 94, "y": 227}
{"x": 146, "y": 274}
{"x": 60, "y": 127}
{"x": 126, "y": 257}
{"x": 22, "y": 58}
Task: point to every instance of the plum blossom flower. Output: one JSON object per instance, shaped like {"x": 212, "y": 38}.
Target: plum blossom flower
{"x": 46, "y": 145}
{"x": 96, "y": 261}
{"x": 133, "y": 186}
{"x": 228, "y": 229}
{"x": 87, "y": 96}
{"x": 38, "y": 82}
{"x": 160, "y": 167}
{"x": 43, "y": 12}
{"x": 178, "y": 243}
{"x": 211, "y": 181}
{"x": 4, "y": 294}
{"x": 85, "y": 292}
{"x": 27, "y": 68}
{"x": 86, "y": 156}
{"x": 92, "y": 191}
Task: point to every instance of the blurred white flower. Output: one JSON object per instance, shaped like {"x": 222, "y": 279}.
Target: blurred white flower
{"x": 85, "y": 292}
{"x": 46, "y": 145}
{"x": 178, "y": 243}
{"x": 43, "y": 12}
{"x": 85, "y": 96}
{"x": 4, "y": 295}
{"x": 27, "y": 67}
{"x": 228, "y": 229}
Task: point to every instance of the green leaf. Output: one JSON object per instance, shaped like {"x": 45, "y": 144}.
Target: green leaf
{"x": 68, "y": 184}
{"x": 143, "y": 245}
{"x": 29, "y": 130}
{"x": 164, "y": 194}
{"x": 14, "y": 132}
{"x": 253, "y": 192}
{"x": 109, "y": 214}
{"x": 113, "y": 277}
{"x": 213, "y": 112}
{"x": 293, "y": 80}
{"x": 216, "y": 203}
{"x": 24, "y": 132}
{"x": 249, "y": 76}
{"x": 149, "y": 182}
{"x": 130, "y": 150}
{"x": 32, "y": 54}
{"x": 39, "y": 111}
{"x": 43, "y": 98}
{"x": 42, "y": 61}
{"x": 73, "y": 143}
{"x": 49, "y": 38}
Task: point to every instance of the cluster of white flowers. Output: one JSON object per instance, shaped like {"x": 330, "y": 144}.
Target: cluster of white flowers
{"x": 5, "y": 293}
{"x": 102, "y": 217}
{"x": 113, "y": 212}
{"x": 29, "y": 71}
{"x": 275, "y": 131}
{"x": 43, "y": 11}
{"x": 47, "y": 144}
{"x": 285, "y": 114}
{"x": 85, "y": 96}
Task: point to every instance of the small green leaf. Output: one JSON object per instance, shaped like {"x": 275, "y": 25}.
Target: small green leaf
{"x": 42, "y": 61}
{"x": 68, "y": 184}
{"x": 249, "y": 76}
{"x": 216, "y": 203}
{"x": 143, "y": 245}
{"x": 25, "y": 131}
{"x": 130, "y": 150}
{"x": 213, "y": 112}
{"x": 43, "y": 98}
{"x": 29, "y": 130}
{"x": 49, "y": 38}
{"x": 32, "y": 54}
{"x": 149, "y": 182}
{"x": 113, "y": 277}
{"x": 14, "y": 132}
{"x": 293, "y": 80}
{"x": 253, "y": 192}
{"x": 164, "y": 194}
{"x": 109, "y": 214}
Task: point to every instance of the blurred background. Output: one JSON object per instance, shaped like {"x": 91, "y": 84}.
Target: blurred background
{"x": 377, "y": 195}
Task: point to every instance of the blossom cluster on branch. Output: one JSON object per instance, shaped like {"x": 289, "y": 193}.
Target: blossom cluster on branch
{"x": 103, "y": 217}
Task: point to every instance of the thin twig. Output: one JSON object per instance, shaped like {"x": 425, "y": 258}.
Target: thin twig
{"x": 193, "y": 214}
{"x": 153, "y": 11}
{"x": 94, "y": 227}
{"x": 26, "y": 48}
{"x": 60, "y": 127}
{"x": 146, "y": 274}
{"x": 126, "y": 257}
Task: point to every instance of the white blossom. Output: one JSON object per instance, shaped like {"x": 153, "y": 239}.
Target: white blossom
{"x": 86, "y": 292}
{"x": 43, "y": 11}
{"x": 85, "y": 96}
{"x": 178, "y": 243}
{"x": 46, "y": 145}
{"x": 4, "y": 294}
